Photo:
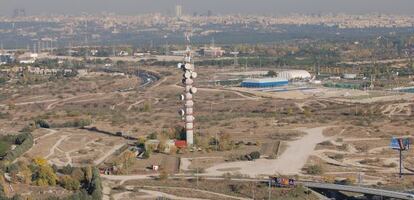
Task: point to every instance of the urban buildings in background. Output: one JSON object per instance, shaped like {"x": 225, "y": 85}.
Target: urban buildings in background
{"x": 178, "y": 11}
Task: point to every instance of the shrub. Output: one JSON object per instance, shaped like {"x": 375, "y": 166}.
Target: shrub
{"x": 152, "y": 136}
{"x": 68, "y": 169}
{"x": 24, "y": 142}
{"x": 146, "y": 154}
{"x": 96, "y": 185}
{"x": 346, "y": 181}
{"x": 390, "y": 165}
{"x": 4, "y": 147}
{"x": 314, "y": 170}
{"x": 236, "y": 188}
{"x": 163, "y": 175}
{"x": 75, "y": 123}
{"x": 255, "y": 155}
{"x": 69, "y": 183}
{"x": 326, "y": 143}
{"x": 369, "y": 161}
{"x": 338, "y": 156}
{"x": 45, "y": 176}
{"x": 42, "y": 123}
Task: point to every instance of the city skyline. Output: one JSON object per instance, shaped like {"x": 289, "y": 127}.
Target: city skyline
{"x": 270, "y": 7}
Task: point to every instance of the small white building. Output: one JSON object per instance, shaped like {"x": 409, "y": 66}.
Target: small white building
{"x": 294, "y": 75}
{"x": 82, "y": 72}
{"x": 350, "y": 76}
{"x": 123, "y": 53}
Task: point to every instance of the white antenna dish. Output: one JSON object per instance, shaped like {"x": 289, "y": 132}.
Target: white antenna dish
{"x": 193, "y": 90}
{"x": 194, "y": 75}
{"x": 188, "y": 66}
{"x": 187, "y": 74}
{"x": 181, "y": 112}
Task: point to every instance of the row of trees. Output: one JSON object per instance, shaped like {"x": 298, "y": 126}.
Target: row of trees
{"x": 23, "y": 142}
{"x": 41, "y": 123}
{"x": 85, "y": 182}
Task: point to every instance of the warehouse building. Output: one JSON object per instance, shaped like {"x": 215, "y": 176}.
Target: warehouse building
{"x": 264, "y": 82}
{"x": 294, "y": 75}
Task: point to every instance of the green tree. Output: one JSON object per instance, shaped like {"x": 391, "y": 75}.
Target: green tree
{"x": 45, "y": 176}
{"x": 271, "y": 73}
{"x": 69, "y": 183}
{"x": 88, "y": 173}
{"x": 78, "y": 174}
{"x": 307, "y": 112}
{"x": 255, "y": 155}
{"x": 314, "y": 169}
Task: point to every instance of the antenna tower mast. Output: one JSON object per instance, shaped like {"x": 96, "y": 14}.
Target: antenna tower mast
{"x": 189, "y": 75}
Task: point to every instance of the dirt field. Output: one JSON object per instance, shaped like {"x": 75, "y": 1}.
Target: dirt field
{"x": 205, "y": 189}
{"x": 73, "y": 146}
{"x": 361, "y": 124}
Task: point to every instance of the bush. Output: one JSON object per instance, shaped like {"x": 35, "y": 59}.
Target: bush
{"x": 346, "y": 181}
{"x": 69, "y": 183}
{"x": 42, "y": 123}
{"x": 255, "y": 155}
{"x": 314, "y": 170}
{"x": 45, "y": 176}
{"x": 68, "y": 169}
{"x": 391, "y": 165}
{"x": 236, "y": 188}
{"x": 152, "y": 136}
{"x": 4, "y": 147}
{"x": 24, "y": 142}
{"x": 326, "y": 143}
{"x": 370, "y": 161}
{"x": 75, "y": 123}
{"x": 94, "y": 187}
{"x": 163, "y": 175}
{"x": 146, "y": 154}
{"x": 338, "y": 156}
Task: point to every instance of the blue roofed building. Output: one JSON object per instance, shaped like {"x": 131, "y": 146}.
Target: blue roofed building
{"x": 264, "y": 82}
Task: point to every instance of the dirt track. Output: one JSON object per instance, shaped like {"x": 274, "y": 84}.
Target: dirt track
{"x": 290, "y": 162}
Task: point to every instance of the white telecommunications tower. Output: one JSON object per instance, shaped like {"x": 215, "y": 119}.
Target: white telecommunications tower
{"x": 188, "y": 79}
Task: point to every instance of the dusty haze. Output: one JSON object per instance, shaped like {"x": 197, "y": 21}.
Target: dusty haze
{"x": 273, "y": 7}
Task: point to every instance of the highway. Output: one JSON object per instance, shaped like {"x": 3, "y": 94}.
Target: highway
{"x": 311, "y": 185}
{"x": 146, "y": 78}
{"x": 357, "y": 189}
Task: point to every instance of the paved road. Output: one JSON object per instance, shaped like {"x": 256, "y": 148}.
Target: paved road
{"x": 124, "y": 178}
{"x": 356, "y": 189}
{"x": 196, "y": 191}
{"x": 146, "y": 79}
{"x": 313, "y": 185}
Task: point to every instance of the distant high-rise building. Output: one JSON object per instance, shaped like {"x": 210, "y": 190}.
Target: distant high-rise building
{"x": 178, "y": 10}
{"x": 19, "y": 12}
{"x": 209, "y": 13}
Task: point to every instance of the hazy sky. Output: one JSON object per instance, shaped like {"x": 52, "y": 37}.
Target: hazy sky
{"x": 201, "y": 6}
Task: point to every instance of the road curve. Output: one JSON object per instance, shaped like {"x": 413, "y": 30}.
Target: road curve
{"x": 357, "y": 189}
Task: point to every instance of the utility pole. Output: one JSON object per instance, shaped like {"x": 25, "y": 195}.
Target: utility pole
{"x": 197, "y": 176}
{"x": 401, "y": 172}
{"x": 245, "y": 69}
{"x": 270, "y": 189}
{"x": 216, "y": 142}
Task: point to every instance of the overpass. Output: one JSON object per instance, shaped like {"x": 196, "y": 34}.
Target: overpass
{"x": 357, "y": 189}
{"x": 308, "y": 184}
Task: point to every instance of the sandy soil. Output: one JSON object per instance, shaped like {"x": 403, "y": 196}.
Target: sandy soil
{"x": 290, "y": 162}
{"x": 73, "y": 146}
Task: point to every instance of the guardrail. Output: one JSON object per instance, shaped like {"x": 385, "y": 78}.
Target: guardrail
{"x": 357, "y": 189}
